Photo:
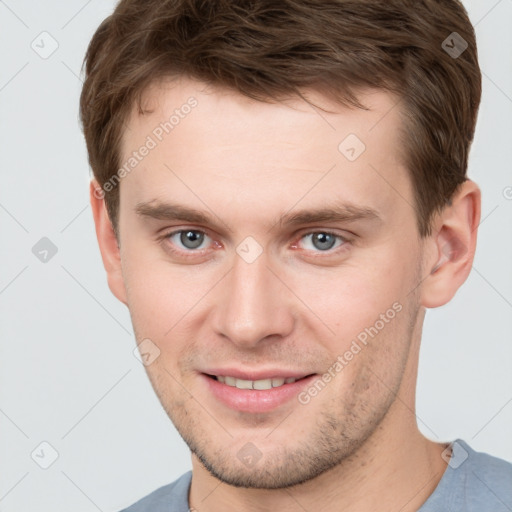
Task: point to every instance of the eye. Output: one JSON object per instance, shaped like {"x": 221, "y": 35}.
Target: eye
{"x": 194, "y": 242}
{"x": 190, "y": 239}
{"x": 323, "y": 241}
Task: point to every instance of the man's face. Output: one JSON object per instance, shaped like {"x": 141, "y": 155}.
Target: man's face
{"x": 242, "y": 293}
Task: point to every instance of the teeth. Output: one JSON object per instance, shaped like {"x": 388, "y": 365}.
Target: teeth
{"x": 230, "y": 381}
{"x": 261, "y": 384}
{"x": 243, "y": 384}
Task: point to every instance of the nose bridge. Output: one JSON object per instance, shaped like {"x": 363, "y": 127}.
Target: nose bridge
{"x": 252, "y": 306}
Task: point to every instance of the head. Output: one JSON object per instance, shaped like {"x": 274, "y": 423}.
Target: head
{"x": 314, "y": 157}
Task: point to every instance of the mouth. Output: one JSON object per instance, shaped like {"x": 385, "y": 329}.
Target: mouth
{"x": 257, "y": 395}
{"x": 261, "y": 384}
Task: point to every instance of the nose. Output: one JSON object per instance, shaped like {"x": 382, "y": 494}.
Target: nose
{"x": 253, "y": 305}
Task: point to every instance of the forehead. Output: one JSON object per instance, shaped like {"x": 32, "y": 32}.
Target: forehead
{"x": 209, "y": 142}
{"x": 168, "y": 101}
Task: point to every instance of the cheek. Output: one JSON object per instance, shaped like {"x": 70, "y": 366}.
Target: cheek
{"x": 162, "y": 296}
{"x": 150, "y": 294}
{"x": 351, "y": 296}
{"x": 373, "y": 360}
{"x": 361, "y": 300}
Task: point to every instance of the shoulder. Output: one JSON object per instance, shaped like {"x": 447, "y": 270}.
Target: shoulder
{"x": 473, "y": 482}
{"x": 172, "y": 497}
{"x": 489, "y": 477}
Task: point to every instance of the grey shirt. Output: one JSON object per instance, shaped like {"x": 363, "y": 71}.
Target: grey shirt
{"x": 472, "y": 482}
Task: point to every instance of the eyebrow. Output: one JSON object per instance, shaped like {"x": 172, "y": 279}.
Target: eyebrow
{"x": 345, "y": 212}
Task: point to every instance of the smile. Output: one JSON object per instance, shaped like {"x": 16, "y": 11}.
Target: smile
{"x": 261, "y": 384}
{"x": 257, "y": 395}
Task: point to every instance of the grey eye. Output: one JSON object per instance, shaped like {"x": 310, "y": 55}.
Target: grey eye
{"x": 322, "y": 240}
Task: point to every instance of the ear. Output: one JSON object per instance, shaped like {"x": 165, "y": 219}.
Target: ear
{"x": 452, "y": 246}
{"x": 110, "y": 253}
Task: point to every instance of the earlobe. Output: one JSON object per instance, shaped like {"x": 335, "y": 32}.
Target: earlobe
{"x": 109, "y": 248}
{"x": 454, "y": 244}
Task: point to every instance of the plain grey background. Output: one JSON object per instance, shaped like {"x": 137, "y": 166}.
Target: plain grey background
{"x": 68, "y": 374}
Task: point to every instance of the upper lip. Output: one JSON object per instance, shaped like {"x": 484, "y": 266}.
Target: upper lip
{"x": 257, "y": 374}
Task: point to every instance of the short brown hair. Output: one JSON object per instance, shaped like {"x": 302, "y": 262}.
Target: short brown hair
{"x": 271, "y": 49}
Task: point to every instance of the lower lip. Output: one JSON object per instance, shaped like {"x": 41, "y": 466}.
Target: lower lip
{"x": 256, "y": 401}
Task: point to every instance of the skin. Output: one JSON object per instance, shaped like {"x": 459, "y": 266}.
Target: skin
{"x": 356, "y": 444}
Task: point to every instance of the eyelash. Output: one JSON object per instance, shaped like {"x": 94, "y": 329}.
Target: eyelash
{"x": 191, "y": 253}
